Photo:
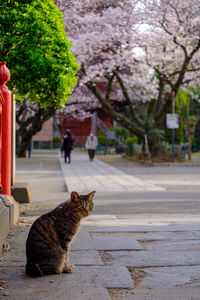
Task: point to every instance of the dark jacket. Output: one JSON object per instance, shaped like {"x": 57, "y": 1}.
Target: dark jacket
{"x": 67, "y": 143}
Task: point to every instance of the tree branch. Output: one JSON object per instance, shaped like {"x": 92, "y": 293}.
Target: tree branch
{"x": 126, "y": 95}
{"x": 127, "y": 123}
{"x": 109, "y": 87}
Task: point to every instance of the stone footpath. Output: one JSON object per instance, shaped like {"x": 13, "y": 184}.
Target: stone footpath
{"x": 83, "y": 176}
{"x": 116, "y": 257}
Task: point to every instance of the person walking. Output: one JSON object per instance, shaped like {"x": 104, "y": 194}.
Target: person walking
{"x": 67, "y": 146}
{"x": 91, "y": 145}
{"x": 184, "y": 150}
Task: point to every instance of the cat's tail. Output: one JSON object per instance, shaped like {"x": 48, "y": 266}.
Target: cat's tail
{"x": 33, "y": 270}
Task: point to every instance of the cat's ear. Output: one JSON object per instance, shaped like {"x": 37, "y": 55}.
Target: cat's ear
{"x": 91, "y": 195}
{"x": 74, "y": 196}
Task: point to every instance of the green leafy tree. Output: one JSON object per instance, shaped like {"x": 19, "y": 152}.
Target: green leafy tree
{"x": 189, "y": 126}
{"x": 121, "y": 133}
{"x": 190, "y": 119}
{"x": 33, "y": 43}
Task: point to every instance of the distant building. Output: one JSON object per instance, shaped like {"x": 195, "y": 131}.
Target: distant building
{"x": 81, "y": 129}
{"x": 44, "y": 138}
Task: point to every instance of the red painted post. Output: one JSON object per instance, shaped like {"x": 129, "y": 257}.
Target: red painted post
{"x": 1, "y": 103}
{"x": 5, "y": 95}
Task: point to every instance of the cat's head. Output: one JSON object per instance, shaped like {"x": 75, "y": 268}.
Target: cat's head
{"x": 83, "y": 204}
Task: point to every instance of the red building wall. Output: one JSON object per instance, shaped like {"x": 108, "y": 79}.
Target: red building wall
{"x": 81, "y": 129}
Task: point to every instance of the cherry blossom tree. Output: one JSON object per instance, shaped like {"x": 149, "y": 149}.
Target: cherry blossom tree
{"x": 132, "y": 52}
{"x": 138, "y": 50}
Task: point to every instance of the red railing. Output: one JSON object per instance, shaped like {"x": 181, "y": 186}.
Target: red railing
{"x": 5, "y": 131}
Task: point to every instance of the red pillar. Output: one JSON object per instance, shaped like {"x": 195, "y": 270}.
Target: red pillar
{"x": 1, "y": 103}
{"x": 5, "y": 154}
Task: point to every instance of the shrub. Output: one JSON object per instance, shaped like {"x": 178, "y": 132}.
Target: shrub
{"x": 130, "y": 142}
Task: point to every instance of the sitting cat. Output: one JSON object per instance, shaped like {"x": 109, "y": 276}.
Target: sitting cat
{"x": 48, "y": 241}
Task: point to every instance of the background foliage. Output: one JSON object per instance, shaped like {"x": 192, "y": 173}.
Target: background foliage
{"x": 34, "y": 45}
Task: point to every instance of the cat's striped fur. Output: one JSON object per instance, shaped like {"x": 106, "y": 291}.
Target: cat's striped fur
{"x": 47, "y": 245}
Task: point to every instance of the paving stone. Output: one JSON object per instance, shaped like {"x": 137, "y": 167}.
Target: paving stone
{"x": 17, "y": 240}
{"x": 86, "y": 293}
{"x": 169, "y": 218}
{"x": 175, "y": 245}
{"x": 143, "y": 293}
{"x": 99, "y": 276}
{"x": 105, "y": 227}
{"x": 106, "y": 276}
{"x": 178, "y": 276}
{"x": 19, "y": 260}
{"x": 155, "y": 222}
{"x": 85, "y": 258}
{"x": 153, "y": 258}
{"x": 100, "y": 217}
{"x": 52, "y": 287}
{"x": 171, "y": 235}
{"x": 82, "y": 241}
{"x": 153, "y": 236}
{"x": 116, "y": 243}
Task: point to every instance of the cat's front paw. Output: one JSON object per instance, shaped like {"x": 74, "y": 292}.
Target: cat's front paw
{"x": 68, "y": 268}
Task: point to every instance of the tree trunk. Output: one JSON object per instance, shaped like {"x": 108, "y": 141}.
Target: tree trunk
{"x": 189, "y": 149}
{"x": 130, "y": 118}
{"x": 198, "y": 143}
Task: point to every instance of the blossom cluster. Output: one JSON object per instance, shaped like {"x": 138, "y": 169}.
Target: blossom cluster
{"x": 142, "y": 39}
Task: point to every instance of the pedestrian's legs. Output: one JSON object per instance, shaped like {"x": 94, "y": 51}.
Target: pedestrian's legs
{"x": 90, "y": 154}
{"x": 69, "y": 156}
{"x": 65, "y": 156}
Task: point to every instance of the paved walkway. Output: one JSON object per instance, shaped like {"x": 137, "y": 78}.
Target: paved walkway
{"x": 83, "y": 176}
{"x": 126, "y": 257}
{"x": 116, "y": 257}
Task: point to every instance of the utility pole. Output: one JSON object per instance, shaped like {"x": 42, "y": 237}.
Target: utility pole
{"x": 173, "y": 130}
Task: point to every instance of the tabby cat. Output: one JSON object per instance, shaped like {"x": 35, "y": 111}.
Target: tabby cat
{"x": 50, "y": 235}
